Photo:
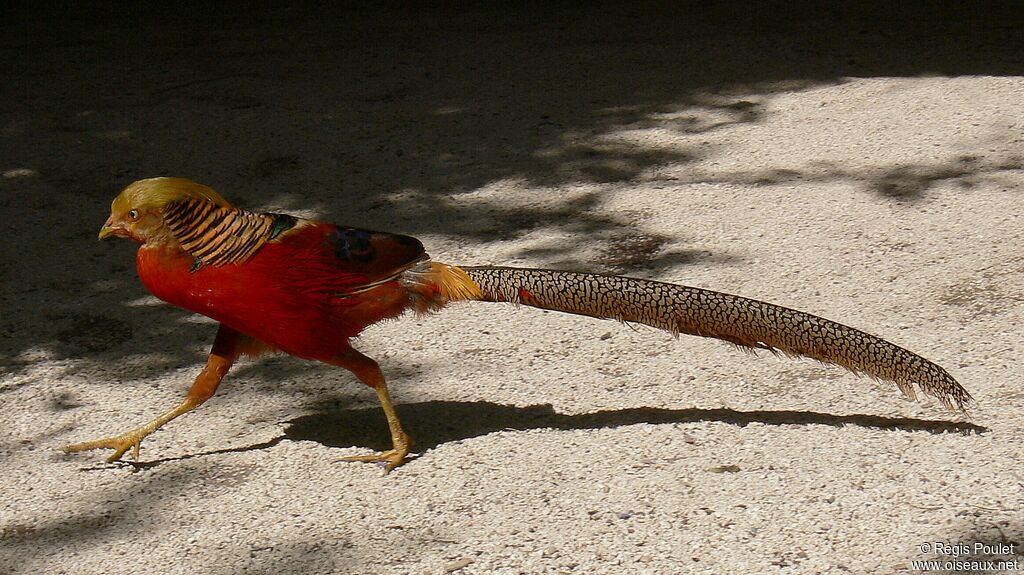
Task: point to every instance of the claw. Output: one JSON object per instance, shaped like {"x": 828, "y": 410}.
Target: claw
{"x": 133, "y": 439}
{"x": 119, "y": 443}
{"x": 392, "y": 458}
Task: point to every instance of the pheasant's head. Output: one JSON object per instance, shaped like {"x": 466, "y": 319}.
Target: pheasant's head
{"x": 137, "y": 212}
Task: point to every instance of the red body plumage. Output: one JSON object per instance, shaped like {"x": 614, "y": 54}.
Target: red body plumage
{"x": 303, "y": 293}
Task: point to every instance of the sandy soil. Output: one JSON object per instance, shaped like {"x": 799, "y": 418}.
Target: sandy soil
{"x": 865, "y": 167}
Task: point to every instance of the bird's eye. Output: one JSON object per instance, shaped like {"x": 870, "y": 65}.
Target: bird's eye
{"x": 133, "y": 214}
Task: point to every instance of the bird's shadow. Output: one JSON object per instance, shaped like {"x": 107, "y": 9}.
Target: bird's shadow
{"x": 438, "y": 422}
{"x": 435, "y": 423}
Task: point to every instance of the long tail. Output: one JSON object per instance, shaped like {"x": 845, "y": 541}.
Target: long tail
{"x": 681, "y": 309}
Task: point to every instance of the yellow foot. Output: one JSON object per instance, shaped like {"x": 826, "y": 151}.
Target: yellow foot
{"x": 392, "y": 457}
{"x": 119, "y": 443}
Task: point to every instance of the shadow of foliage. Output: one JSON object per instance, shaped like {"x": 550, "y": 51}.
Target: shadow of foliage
{"x": 113, "y": 514}
{"x": 409, "y": 118}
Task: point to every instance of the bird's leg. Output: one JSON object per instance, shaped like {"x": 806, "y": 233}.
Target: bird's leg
{"x": 226, "y": 348}
{"x": 369, "y": 373}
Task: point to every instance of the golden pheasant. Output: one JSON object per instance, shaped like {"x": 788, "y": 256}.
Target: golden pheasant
{"x": 277, "y": 282}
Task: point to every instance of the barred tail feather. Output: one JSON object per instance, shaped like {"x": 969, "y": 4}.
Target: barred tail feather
{"x": 680, "y": 309}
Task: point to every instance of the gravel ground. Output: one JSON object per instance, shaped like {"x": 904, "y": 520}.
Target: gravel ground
{"x": 865, "y": 167}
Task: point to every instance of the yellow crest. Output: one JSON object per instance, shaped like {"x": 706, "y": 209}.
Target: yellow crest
{"x": 158, "y": 192}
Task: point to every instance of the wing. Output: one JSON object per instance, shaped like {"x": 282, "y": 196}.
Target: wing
{"x": 378, "y": 256}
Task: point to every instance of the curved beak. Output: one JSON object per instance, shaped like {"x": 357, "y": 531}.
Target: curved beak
{"x": 112, "y": 228}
